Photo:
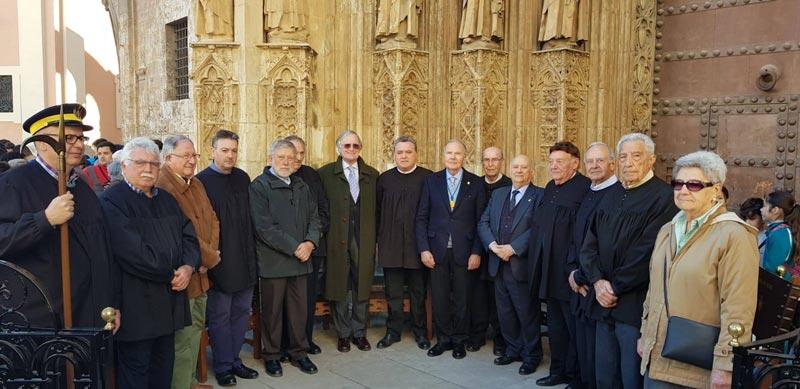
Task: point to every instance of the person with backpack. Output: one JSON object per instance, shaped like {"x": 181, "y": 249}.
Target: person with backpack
{"x": 782, "y": 215}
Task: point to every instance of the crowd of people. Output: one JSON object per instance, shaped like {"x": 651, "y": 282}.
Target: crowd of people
{"x": 629, "y": 267}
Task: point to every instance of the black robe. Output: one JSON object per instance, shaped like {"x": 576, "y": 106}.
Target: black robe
{"x": 551, "y": 237}
{"x": 619, "y": 242}
{"x": 314, "y": 182}
{"x": 398, "y": 196}
{"x": 230, "y": 197}
{"x": 151, "y": 239}
{"x": 28, "y": 240}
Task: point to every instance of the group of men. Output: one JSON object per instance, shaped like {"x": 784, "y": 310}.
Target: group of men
{"x": 190, "y": 250}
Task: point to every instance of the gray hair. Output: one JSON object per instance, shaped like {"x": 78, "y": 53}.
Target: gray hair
{"x": 649, "y": 145}
{"x": 171, "y": 142}
{"x": 601, "y": 144}
{"x": 342, "y": 136}
{"x": 281, "y": 144}
{"x": 295, "y": 138}
{"x": 457, "y": 142}
{"x": 404, "y": 139}
{"x": 710, "y": 163}
{"x": 115, "y": 171}
{"x": 140, "y": 143}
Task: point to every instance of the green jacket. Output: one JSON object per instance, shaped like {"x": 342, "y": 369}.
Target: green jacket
{"x": 283, "y": 217}
{"x": 338, "y": 192}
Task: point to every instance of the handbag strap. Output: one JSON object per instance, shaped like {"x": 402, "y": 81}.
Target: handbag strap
{"x": 666, "y": 300}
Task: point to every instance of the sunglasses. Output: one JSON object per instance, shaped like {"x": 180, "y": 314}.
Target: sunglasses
{"x": 354, "y": 146}
{"x": 692, "y": 185}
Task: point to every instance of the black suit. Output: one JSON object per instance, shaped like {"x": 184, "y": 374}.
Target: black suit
{"x": 437, "y": 226}
{"x": 517, "y": 309}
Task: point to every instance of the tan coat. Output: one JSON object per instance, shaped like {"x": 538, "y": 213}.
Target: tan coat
{"x": 713, "y": 280}
{"x": 194, "y": 203}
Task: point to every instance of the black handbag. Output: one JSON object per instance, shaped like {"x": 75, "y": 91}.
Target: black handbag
{"x": 688, "y": 341}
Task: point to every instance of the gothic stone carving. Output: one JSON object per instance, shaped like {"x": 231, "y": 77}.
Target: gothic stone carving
{"x": 214, "y": 20}
{"x": 564, "y": 23}
{"x": 398, "y": 23}
{"x": 479, "y": 85}
{"x": 559, "y": 90}
{"x": 287, "y": 89}
{"x": 401, "y": 95}
{"x": 216, "y": 94}
{"x": 286, "y": 21}
{"x": 482, "y": 23}
{"x": 644, "y": 29}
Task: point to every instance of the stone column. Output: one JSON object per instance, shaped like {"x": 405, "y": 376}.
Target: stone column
{"x": 559, "y": 91}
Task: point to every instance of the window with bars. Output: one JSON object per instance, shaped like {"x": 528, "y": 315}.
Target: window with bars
{"x": 6, "y": 94}
{"x": 178, "y": 53}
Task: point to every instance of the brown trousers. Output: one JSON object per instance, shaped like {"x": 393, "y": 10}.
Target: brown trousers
{"x": 287, "y": 296}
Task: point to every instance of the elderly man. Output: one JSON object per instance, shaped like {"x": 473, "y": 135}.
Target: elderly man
{"x": 314, "y": 182}
{"x": 615, "y": 258}
{"x": 598, "y": 161}
{"x": 450, "y": 206}
{"x": 548, "y": 254}
{"x": 31, "y": 209}
{"x": 157, "y": 250}
{"x": 504, "y": 230}
{"x": 350, "y": 187}
{"x": 233, "y": 279}
{"x": 176, "y": 177}
{"x": 483, "y": 310}
{"x": 97, "y": 175}
{"x": 398, "y": 195}
{"x": 286, "y": 223}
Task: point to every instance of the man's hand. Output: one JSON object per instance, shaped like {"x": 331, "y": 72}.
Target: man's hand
{"x": 572, "y": 284}
{"x": 720, "y": 379}
{"x": 60, "y": 210}
{"x": 506, "y": 252}
{"x": 427, "y": 259}
{"x": 303, "y": 251}
{"x": 181, "y": 279}
{"x": 202, "y": 270}
{"x": 474, "y": 262}
{"x": 117, "y": 321}
{"x": 639, "y": 348}
{"x": 605, "y": 294}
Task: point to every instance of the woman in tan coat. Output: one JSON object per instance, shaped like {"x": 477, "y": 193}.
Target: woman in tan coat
{"x": 712, "y": 276}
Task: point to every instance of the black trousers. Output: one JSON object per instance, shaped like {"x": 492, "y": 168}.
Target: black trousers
{"x": 313, "y": 286}
{"x": 396, "y": 281}
{"x": 451, "y": 313}
{"x": 483, "y": 313}
{"x": 146, "y": 363}
{"x": 520, "y": 317}
{"x": 585, "y": 342}
{"x": 561, "y": 328}
{"x": 281, "y": 297}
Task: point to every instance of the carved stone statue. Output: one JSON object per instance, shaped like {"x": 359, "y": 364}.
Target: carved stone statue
{"x": 482, "y": 23}
{"x": 286, "y": 21}
{"x": 565, "y": 23}
{"x": 398, "y": 23}
{"x": 214, "y": 20}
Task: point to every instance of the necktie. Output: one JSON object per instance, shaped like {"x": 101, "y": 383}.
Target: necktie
{"x": 353, "y": 181}
{"x": 452, "y": 192}
{"x": 514, "y": 194}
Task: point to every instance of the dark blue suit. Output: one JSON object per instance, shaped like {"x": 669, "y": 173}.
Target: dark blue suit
{"x": 517, "y": 309}
{"x": 436, "y": 224}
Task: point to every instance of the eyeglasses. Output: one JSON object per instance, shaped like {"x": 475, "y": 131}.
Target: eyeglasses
{"x": 71, "y": 139}
{"x": 692, "y": 185}
{"x": 354, "y": 146}
{"x": 187, "y": 156}
{"x": 140, "y": 163}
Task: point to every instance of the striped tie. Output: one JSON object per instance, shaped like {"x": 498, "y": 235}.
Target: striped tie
{"x": 353, "y": 181}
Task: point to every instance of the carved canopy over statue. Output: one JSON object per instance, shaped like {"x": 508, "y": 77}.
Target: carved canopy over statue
{"x": 482, "y": 23}
{"x": 214, "y": 20}
{"x": 564, "y": 23}
{"x": 398, "y": 22}
{"x": 286, "y": 21}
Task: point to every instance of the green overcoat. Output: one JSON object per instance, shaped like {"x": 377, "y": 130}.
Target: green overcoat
{"x": 337, "y": 266}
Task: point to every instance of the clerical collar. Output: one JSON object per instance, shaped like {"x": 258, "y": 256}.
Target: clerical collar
{"x": 499, "y": 177}
{"x": 642, "y": 182}
{"x": 408, "y": 172}
{"x": 287, "y": 180}
{"x": 605, "y": 184}
{"x": 216, "y": 168}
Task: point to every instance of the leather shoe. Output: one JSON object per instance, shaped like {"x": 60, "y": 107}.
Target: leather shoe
{"x": 438, "y": 349}
{"x": 362, "y": 343}
{"x": 313, "y": 348}
{"x": 527, "y": 368}
{"x": 504, "y": 360}
{"x": 344, "y": 345}
{"x": 388, "y": 340}
{"x": 423, "y": 342}
{"x": 285, "y": 358}
{"x": 553, "y": 380}
{"x": 499, "y": 348}
{"x": 273, "y": 367}
{"x": 459, "y": 352}
{"x": 245, "y": 372}
{"x": 473, "y": 348}
{"x": 305, "y": 365}
{"x": 226, "y": 379}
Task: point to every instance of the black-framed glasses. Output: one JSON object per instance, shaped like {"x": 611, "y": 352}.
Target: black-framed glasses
{"x": 354, "y": 146}
{"x": 71, "y": 139}
{"x": 692, "y": 185}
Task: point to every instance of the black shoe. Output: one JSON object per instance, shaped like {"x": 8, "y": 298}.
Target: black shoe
{"x": 226, "y": 379}
{"x": 245, "y": 372}
{"x": 305, "y": 365}
{"x": 504, "y": 360}
{"x": 285, "y": 358}
{"x": 459, "y": 352}
{"x": 423, "y": 342}
{"x": 553, "y": 380}
{"x": 313, "y": 349}
{"x": 343, "y": 345}
{"x": 362, "y": 343}
{"x": 473, "y": 348}
{"x": 527, "y": 368}
{"x": 273, "y": 367}
{"x": 499, "y": 348}
{"x": 388, "y": 340}
{"x": 438, "y": 349}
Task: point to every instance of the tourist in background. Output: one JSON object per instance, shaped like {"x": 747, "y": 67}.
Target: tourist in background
{"x": 782, "y": 215}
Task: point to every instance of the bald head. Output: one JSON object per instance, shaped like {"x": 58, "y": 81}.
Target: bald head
{"x": 492, "y": 163}
{"x": 521, "y": 172}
